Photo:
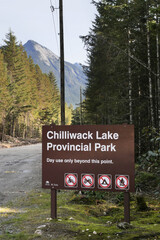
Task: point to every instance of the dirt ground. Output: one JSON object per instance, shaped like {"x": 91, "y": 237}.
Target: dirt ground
{"x": 9, "y": 141}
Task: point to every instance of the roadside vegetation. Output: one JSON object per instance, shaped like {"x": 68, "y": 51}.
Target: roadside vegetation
{"x": 80, "y": 216}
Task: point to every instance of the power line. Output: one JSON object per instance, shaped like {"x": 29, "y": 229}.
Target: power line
{"x": 67, "y": 35}
{"x": 55, "y": 32}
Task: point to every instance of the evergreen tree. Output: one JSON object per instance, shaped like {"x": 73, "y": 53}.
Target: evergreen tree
{"x": 28, "y": 98}
{"x": 4, "y": 95}
{"x": 122, "y": 65}
{"x": 17, "y": 85}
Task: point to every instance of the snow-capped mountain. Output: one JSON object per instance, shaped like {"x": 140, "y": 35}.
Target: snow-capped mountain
{"x": 48, "y": 61}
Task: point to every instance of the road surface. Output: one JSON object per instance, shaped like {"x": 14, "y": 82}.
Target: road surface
{"x": 20, "y": 171}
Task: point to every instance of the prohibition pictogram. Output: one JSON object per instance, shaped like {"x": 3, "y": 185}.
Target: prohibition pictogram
{"x": 122, "y": 182}
{"x": 88, "y": 180}
{"x": 104, "y": 181}
{"x": 71, "y": 180}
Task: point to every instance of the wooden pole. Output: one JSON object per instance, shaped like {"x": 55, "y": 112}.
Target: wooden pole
{"x": 62, "y": 85}
{"x": 81, "y": 119}
{"x": 53, "y": 203}
{"x": 127, "y": 207}
{"x": 62, "y": 63}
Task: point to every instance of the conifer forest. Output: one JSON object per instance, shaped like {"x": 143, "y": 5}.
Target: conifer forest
{"x": 28, "y": 97}
{"x": 123, "y": 73}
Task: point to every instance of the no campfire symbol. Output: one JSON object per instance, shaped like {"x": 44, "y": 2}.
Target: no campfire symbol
{"x": 104, "y": 181}
{"x": 122, "y": 182}
{"x": 71, "y": 180}
{"x": 87, "y": 180}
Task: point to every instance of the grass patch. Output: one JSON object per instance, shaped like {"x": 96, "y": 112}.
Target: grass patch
{"x": 21, "y": 218}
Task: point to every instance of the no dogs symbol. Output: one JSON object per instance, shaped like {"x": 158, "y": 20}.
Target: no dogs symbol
{"x": 122, "y": 182}
{"x": 104, "y": 181}
{"x": 71, "y": 180}
{"x": 88, "y": 180}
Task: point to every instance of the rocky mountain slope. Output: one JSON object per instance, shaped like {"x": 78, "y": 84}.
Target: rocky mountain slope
{"x": 48, "y": 61}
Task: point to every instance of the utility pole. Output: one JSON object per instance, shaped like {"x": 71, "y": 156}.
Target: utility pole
{"x": 62, "y": 89}
{"x": 81, "y": 118}
{"x": 62, "y": 81}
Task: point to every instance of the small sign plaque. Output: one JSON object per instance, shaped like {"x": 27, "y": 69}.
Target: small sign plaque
{"x": 105, "y": 181}
{"x": 122, "y": 182}
{"x": 71, "y": 180}
{"x": 88, "y": 180}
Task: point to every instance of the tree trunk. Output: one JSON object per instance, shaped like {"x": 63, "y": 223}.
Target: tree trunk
{"x": 139, "y": 120}
{"x": 3, "y": 127}
{"x": 158, "y": 68}
{"x": 149, "y": 76}
{"x": 130, "y": 80}
{"x": 24, "y": 130}
{"x": 14, "y": 129}
{"x": 129, "y": 71}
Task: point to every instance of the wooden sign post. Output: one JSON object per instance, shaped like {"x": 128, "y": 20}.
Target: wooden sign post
{"x": 127, "y": 207}
{"x": 53, "y": 203}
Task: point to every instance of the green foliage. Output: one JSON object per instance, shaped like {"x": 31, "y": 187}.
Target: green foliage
{"x": 119, "y": 198}
{"x": 148, "y": 169}
{"x": 28, "y": 98}
{"x": 123, "y": 48}
{"x": 80, "y": 115}
{"x": 95, "y": 195}
{"x": 141, "y": 203}
{"x": 147, "y": 181}
{"x": 88, "y": 197}
{"x": 76, "y": 116}
{"x": 4, "y": 93}
{"x": 119, "y": 80}
{"x": 68, "y": 114}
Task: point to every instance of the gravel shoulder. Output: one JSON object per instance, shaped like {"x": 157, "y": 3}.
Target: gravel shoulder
{"x": 20, "y": 171}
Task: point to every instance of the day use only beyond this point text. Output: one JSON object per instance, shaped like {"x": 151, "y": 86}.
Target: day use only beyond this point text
{"x": 78, "y": 161}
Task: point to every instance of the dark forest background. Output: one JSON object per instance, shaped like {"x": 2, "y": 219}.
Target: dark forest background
{"x": 123, "y": 73}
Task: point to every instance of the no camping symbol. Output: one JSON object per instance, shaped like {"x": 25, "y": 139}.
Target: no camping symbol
{"x": 104, "y": 181}
{"x": 71, "y": 180}
{"x": 122, "y": 182}
{"x": 88, "y": 180}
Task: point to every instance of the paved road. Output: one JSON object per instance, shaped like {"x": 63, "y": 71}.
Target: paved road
{"x": 20, "y": 171}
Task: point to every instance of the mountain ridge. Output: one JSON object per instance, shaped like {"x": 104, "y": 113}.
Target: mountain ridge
{"x": 50, "y": 62}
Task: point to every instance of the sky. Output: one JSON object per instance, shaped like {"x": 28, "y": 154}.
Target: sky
{"x": 34, "y": 20}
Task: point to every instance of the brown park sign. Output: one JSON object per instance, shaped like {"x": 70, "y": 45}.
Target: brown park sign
{"x": 88, "y": 157}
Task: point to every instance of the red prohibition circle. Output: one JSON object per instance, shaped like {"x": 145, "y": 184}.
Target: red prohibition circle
{"x": 122, "y": 187}
{"x": 73, "y": 183}
{"x": 84, "y": 178}
{"x": 100, "y": 184}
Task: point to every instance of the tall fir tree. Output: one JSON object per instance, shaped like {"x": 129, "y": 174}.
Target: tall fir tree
{"x": 5, "y": 99}
{"x": 29, "y": 98}
{"x": 122, "y": 66}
